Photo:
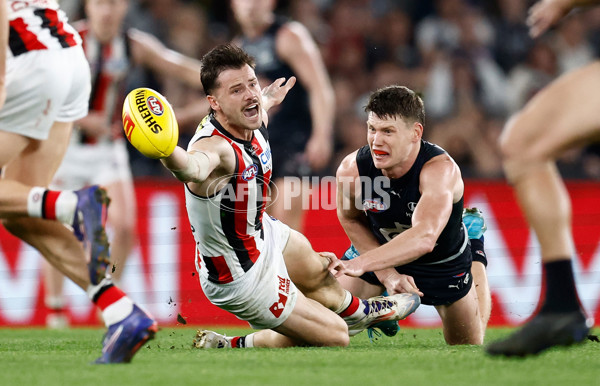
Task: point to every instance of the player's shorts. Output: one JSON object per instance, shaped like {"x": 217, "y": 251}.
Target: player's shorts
{"x": 102, "y": 163}
{"x": 441, "y": 284}
{"x": 265, "y": 296}
{"x": 44, "y": 86}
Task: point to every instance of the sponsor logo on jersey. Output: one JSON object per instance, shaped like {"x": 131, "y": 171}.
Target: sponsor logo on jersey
{"x": 376, "y": 205}
{"x": 250, "y": 172}
{"x": 412, "y": 206}
{"x": 155, "y": 106}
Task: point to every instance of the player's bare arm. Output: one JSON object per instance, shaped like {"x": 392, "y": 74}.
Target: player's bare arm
{"x": 150, "y": 52}
{"x": 440, "y": 188}
{"x": 546, "y": 13}
{"x": 298, "y": 49}
{"x": 208, "y": 160}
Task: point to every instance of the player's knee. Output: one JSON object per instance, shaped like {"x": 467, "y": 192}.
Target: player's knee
{"x": 510, "y": 142}
{"x": 338, "y": 334}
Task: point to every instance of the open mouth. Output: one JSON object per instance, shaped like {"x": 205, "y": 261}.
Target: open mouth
{"x": 251, "y": 111}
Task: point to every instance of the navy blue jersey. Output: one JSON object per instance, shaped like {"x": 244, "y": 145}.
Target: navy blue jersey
{"x": 389, "y": 206}
{"x": 291, "y": 122}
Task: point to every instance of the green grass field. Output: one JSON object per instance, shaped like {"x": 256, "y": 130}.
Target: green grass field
{"x": 413, "y": 357}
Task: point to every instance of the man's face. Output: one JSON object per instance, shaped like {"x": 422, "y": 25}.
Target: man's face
{"x": 237, "y": 99}
{"x": 106, "y": 17}
{"x": 390, "y": 140}
{"x": 251, "y": 12}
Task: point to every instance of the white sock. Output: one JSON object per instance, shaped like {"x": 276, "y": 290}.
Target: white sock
{"x": 53, "y": 205}
{"x": 117, "y": 311}
{"x": 65, "y": 206}
{"x": 35, "y": 199}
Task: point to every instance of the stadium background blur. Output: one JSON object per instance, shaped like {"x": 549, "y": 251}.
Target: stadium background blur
{"x": 472, "y": 61}
{"x": 474, "y": 64}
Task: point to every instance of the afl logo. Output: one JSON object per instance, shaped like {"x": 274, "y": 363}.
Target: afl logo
{"x": 374, "y": 205}
{"x": 250, "y": 172}
{"x": 155, "y": 105}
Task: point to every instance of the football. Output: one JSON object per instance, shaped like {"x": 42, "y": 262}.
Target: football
{"x": 149, "y": 123}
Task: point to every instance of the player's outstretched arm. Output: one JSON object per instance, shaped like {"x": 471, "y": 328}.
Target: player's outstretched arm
{"x": 148, "y": 51}
{"x": 194, "y": 165}
{"x": 546, "y": 13}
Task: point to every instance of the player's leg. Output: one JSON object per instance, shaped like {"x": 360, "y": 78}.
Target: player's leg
{"x": 308, "y": 270}
{"x": 309, "y": 324}
{"x": 476, "y": 227}
{"x": 461, "y": 320}
{"x": 482, "y": 290}
{"x": 54, "y": 298}
{"x": 122, "y": 220}
{"x": 562, "y": 115}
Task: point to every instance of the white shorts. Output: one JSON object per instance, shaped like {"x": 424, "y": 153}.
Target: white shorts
{"x": 265, "y": 296}
{"x": 96, "y": 164}
{"x": 44, "y": 86}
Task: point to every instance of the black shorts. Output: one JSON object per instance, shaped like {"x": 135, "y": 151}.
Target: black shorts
{"x": 441, "y": 284}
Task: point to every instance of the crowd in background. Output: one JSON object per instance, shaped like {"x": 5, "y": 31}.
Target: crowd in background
{"x": 471, "y": 60}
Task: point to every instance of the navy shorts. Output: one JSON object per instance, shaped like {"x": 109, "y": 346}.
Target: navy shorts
{"x": 441, "y": 284}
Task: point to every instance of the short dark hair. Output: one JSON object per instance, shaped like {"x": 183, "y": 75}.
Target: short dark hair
{"x": 391, "y": 101}
{"x": 221, "y": 58}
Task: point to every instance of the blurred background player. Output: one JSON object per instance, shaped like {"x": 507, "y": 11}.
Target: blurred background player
{"x": 47, "y": 88}
{"x": 411, "y": 237}
{"x": 300, "y": 130}
{"x": 561, "y": 116}
{"x": 97, "y": 153}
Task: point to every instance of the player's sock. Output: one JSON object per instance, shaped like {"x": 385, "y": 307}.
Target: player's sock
{"x": 477, "y": 250}
{"x": 113, "y": 302}
{"x": 352, "y": 309}
{"x": 242, "y": 341}
{"x": 52, "y": 204}
{"x": 559, "y": 293}
{"x": 57, "y": 315}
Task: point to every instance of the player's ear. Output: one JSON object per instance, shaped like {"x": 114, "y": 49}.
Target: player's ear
{"x": 212, "y": 101}
{"x": 417, "y": 131}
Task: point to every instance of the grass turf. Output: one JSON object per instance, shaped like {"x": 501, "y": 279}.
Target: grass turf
{"x": 413, "y": 357}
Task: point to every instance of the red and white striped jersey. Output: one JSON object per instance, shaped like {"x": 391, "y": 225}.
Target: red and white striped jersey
{"x": 38, "y": 25}
{"x": 109, "y": 65}
{"x": 227, "y": 226}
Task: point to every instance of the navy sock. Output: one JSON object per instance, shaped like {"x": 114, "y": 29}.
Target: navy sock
{"x": 559, "y": 293}
{"x": 477, "y": 251}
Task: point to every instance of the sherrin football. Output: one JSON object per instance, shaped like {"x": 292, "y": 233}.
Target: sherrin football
{"x": 149, "y": 123}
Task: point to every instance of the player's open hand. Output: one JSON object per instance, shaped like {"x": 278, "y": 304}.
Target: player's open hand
{"x": 544, "y": 14}
{"x": 273, "y": 94}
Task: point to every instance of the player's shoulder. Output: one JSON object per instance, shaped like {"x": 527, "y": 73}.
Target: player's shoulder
{"x": 293, "y": 32}
{"x": 347, "y": 167}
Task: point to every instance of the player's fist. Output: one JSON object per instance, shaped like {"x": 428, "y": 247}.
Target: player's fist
{"x": 149, "y": 123}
